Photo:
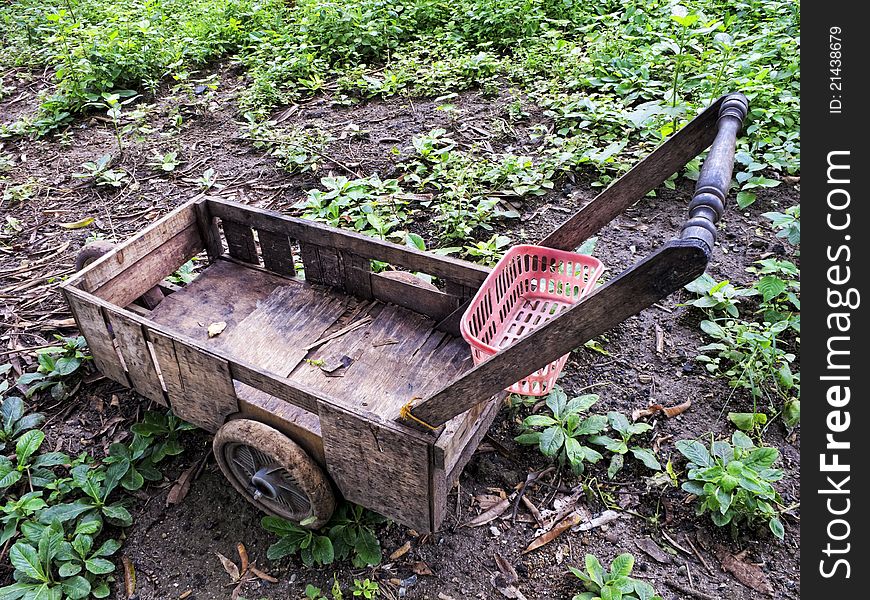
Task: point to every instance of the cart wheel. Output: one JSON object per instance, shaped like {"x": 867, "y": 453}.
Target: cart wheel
{"x": 91, "y": 252}
{"x": 273, "y": 473}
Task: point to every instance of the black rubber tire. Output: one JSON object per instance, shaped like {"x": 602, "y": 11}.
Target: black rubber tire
{"x": 91, "y": 252}
{"x": 235, "y": 439}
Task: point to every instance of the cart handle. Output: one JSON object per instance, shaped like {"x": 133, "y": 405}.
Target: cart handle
{"x": 649, "y": 280}
{"x": 708, "y": 203}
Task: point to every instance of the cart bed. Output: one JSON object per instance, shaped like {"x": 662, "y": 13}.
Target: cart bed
{"x": 271, "y": 320}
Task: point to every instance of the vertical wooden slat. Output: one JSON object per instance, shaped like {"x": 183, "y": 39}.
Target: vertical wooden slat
{"x": 240, "y": 241}
{"x": 377, "y": 467}
{"x": 93, "y": 327}
{"x": 277, "y": 254}
{"x": 199, "y": 385}
{"x": 140, "y": 368}
{"x": 322, "y": 265}
{"x": 209, "y": 231}
{"x": 357, "y": 275}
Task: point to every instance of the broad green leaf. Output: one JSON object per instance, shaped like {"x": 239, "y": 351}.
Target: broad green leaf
{"x": 367, "y": 548}
{"x": 695, "y": 451}
{"x": 11, "y": 410}
{"x": 108, "y": 548}
{"x": 28, "y": 444}
{"x": 25, "y": 558}
{"x": 99, "y": 566}
{"x": 770, "y": 287}
{"x": 76, "y": 587}
{"x": 743, "y": 421}
{"x": 594, "y": 569}
{"x": 551, "y": 440}
{"x": 286, "y": 546}
{"x": 745, "y": 199}
{"x": 556, "y": 401}
{"x": 117, "y": 515}
{"x": 538, "y": 421}
{"x": 528, "y": 438}
{"x": 646, "y": 457}
{"x": 618, "y": 421}
{"x": 622, "y": 565}
{"x": 776, "y": 527}
{"x": 581, "y": 403}
{"x": 791, "y": 413}
{"x": 591, "y": 425}
{"x": 51, "y": 459}
{"x": 741, "y": 440}
{"x": 322, "y": 551}
{"x": 8, "y": 477}
{"x": 68, "y": 569}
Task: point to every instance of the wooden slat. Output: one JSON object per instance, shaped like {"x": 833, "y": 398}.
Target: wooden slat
{"x": 646, "y": 175}
{"x": 357, "y": 273}
{"x": 274, "y": 385}
{"x": 134, "y": 249}
{"x": 677, "y": 263}
{"x": 199, "y": 385}
{"x": 137, "y": 357}
{"x": 450, "y": 269}
{"x": 92, "y": 325}
{"x": 277, "y": 253}
{"x": 208, "y": 229}
{"x": 322, "y": 265}
{"x": 240, "y": 241}
{"x": 140, "y": 276}
{"x": 377, "y": 467}
{"x": 432, "y": 303}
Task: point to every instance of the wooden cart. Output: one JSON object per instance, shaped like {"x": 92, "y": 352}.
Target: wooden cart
{"x": 348, "y": 380}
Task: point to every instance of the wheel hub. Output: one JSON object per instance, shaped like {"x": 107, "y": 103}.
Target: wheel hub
{"x": 268, "y": 483}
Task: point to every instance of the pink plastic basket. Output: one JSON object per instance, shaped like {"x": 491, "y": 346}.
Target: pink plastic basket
{"x": 527, "y": 288}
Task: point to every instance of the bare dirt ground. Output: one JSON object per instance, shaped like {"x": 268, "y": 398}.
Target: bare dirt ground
{"x": 173, "y": 548}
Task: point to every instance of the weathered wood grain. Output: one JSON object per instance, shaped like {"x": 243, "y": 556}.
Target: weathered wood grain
{"x": 310, "y": 232}
{"x": 377, "y": 467}
{"x": 432, "y": 303}
{"x": 136, "y": 248}
{"x": 92, "y": 325}
{"x": 208, "y": 230}
{"x": 137, "y": 357}
{"x": 646, "y": 175}
{"x": 678, "y": 262}
{"x": 140, "y": 276}
{"x": 357, "y": 272}
{"x": 199, "y": 385}
{"x": 240, "y": 241}
{"x": 277, "y": 253}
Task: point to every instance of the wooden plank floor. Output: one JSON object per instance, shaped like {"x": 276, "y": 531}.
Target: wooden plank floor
{"x": 395, "y": 356}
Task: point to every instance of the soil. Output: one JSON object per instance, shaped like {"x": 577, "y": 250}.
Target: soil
{"x": 173, "y": 548}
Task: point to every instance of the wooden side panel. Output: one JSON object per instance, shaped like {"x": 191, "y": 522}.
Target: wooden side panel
{"x": 379, "y": 468}
{"x": 277, "y": 254}
{"x": 322, "y": 265}
{"x": 135, "y": 249}
{"x": 140, "y": 276}
{"x": 140, "y": 368}
{"x": 200, "y": 387}
{"x": 92, "y": 325}
{"x": 240, "y": 241}
{"x": 432, "y": 303}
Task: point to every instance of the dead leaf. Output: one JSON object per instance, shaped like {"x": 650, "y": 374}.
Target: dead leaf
{"x": 490, "y": 515}
{"x": 185, "y": 594}
{"x": 673, "y": 411}
{"x": 262, "y": 574}
{"x": 653, "y": 409}
{"x": 421, "y": 568}
{"x": 230, "y": 567}
{"x": 508, "y": 590}
{"x": 487, "y": 501}
{"x": 129, "y": 577}
{"x": 606, "y": 517}
{"x": 654, "y": 551}
{"x": 506, "y": 568}
{"x": 78, "y": 224}
{"x": 400, "y": 551}
{"x": 216, "y": 328}
{"x": 536, "y": 514}
{"x": 243, "y": 556}
{"x": 746, "y": 573}
{"x": 182, "y": 486}
{"x": 564, "y": 525}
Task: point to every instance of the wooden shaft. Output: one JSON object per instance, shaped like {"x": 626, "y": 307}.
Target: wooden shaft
{"x": 708, "y": 203}
{"x": 647, "y": 175}
{"x": 655, "y": 277}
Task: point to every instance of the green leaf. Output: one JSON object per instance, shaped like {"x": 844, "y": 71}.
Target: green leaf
{"x": 618, "y": 421}
{"x": 770, "y": 287}
{"x": 99, "y": 566}
{"x": 19, "y": 590}
{"x": 743, "y": 421}
{"x": 51, "y": 459}
{"x": 367, "y": 548}
{"x": 108, "y": 548}
{"x": 791, "y": 413}
{"x": 101, "y": 590}
{"x": 538, "y": 421}
{"x": 745, "y": 199}
{"x": 695, "y": 451}
{"x": 616, "y": 462}
{"x": 8, "y": 476}
{"x": 68, "y": 569}
{"x": 622, "y": 565}
{"x": 286, "y": 546}
{"x": 556, "y": 401}
{"x": 25, "y": 559}
{"x": 321, "y": 550}
{"x": 761, "y": 458}
{"x": 592, "y": 424}
{"x": 646, "y": 457}
{"x": 776, "y": 527}
{"x": 741, "y": 440}
{"x": 28, "y": 444}
{"x": 529, "y": 438}
{"x": 76, "y": 587}
{"x": 581, "y": 403}
{"x": 551, "y": 440}
{"x": 11, "y": 411}
{"x": 594, "y": 569}
{"x": 117, "y": 515}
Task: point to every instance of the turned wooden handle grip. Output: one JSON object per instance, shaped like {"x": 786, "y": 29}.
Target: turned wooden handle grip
{"x": 708, "y": 203}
